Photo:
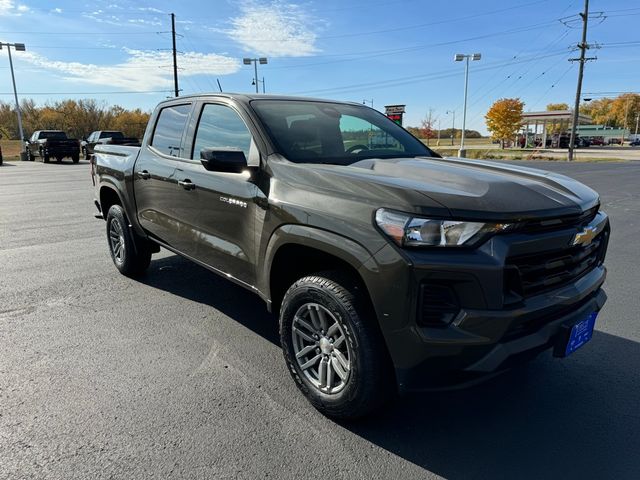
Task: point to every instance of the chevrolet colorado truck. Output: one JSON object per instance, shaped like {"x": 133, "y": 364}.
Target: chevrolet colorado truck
{"x": 48, "y": 144}
{"x": 389, "y": 267}
{"x": 104, "y": 137}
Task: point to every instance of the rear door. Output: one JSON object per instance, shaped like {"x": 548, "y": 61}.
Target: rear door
{"x": 217, "y": 210}
{"x": 155, "y": 184}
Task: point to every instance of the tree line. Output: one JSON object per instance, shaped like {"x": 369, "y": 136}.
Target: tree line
{"x": 504, "y": 118}
{"x": 77, "y": 118}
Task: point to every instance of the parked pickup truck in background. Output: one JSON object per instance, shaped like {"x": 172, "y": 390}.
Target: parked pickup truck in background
{"x": 48, "y": 144}
{"x": 389, "y": 267}
{"x": 105, "y": 137}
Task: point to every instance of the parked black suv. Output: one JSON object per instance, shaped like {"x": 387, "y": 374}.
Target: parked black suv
{"x": 389, "y": 267}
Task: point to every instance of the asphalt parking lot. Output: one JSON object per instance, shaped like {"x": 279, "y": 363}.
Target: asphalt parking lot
{"x": 180, "y": 375}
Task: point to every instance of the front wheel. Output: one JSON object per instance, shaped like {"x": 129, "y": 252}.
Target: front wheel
{"x": 130, "y": 255}
{"x": 333, "y": 347}
{"x": 75, "y": 157}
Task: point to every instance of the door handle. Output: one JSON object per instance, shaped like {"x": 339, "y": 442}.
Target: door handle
{"x": 187, "y": 184}
{"x": 144, "y": 175}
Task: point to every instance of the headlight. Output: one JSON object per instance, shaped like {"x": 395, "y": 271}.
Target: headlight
{"x": 409, "y": 231}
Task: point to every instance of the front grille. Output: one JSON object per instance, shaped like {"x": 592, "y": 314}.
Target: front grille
{"x": 545, "y": 271}
{"x": 535, "y": 226}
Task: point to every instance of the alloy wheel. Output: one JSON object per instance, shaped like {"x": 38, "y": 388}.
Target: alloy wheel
{"x": 321, "y": 348}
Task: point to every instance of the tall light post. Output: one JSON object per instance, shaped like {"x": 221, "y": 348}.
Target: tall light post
{"x": 260, "y": 81}
{"x": 453, "y": 124}
{"x": 19, "y": 48}
{"x": 255, "y": 61}
{"x": 458, "y": 58}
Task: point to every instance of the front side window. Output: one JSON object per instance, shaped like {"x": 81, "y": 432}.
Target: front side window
{"x": 323, "y": 132}
{"x": 167, "y": 135}
{"x": 221, "y": 127}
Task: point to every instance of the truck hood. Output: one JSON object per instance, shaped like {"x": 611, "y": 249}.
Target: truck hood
{"x": 469, "y": 189}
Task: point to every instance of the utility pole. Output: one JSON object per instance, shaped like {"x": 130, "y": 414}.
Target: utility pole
{"x": 583, "y": 46}
{"x": 635, "y": 137}
{"x": 175, "y": 56}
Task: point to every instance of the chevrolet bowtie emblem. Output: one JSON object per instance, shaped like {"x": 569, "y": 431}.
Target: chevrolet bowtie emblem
{"x": 585, "y": 236}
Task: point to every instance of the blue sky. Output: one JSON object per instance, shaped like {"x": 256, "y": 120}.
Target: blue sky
{"x": 391, "y": 52}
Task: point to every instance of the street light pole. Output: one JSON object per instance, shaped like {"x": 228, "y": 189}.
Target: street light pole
{"x": 255, "y": 61}
{"x": 458, "y": 58}
{"x": 19, "y": 48}
{"x": 453, "y": 124}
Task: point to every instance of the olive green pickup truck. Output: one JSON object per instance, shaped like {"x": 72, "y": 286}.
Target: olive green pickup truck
{"x": 390, "y": 268}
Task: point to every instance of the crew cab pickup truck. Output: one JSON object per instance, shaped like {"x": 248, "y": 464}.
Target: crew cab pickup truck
{"x": 389, "y": 267}
{"x": 105, "y": 137}
{"x": 47, "y": 144}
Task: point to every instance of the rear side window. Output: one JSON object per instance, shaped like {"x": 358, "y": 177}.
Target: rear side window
{"x": 167, "y": 135}
{"x": 221, "y": 127}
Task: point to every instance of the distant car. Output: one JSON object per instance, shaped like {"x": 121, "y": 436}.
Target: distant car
{"x": 635, "y": 143}
{"x": 614, "y": 141}
{"x": 597, "y": 141}
{"x": 105, "y": 137}
{"x": 48, "y": 144}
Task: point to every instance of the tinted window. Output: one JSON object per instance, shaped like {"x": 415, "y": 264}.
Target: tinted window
{"x": 321, "y": 132}
{"x": 111, "y": 135}
{"x": 169, "y": 127}
{"x": 53, "y": 135}
{"x": 221, "y": 127}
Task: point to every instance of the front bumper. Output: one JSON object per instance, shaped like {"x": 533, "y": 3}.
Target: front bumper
{"x": 494, "y": 328}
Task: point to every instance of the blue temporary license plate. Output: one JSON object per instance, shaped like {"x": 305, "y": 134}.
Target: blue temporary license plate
{"x": 581, "y": 333}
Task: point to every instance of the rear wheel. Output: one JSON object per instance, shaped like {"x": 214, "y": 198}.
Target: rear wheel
{"x": 44, "y": 156}
{"x": 130, "y": 254}
{"x": 75, "y": 157}
{"x": 85, "y": 153}
{"x": 333, "y": 347}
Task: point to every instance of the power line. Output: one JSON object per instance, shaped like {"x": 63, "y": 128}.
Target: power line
{"x": 90, "y": 93}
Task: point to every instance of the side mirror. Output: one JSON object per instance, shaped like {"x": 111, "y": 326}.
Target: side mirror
{"x": 228, "y": 160}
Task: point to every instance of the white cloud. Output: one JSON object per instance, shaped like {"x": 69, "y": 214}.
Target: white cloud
{"x": 142, "y": 70}
{"x": 9, "y": 7}
{"x": 277, "y": 29}
{"x": 56, "y": 10}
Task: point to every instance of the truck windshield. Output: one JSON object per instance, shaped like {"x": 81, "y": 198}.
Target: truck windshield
{"x": 53, "y": 135}
{"x": 323, "y": 132}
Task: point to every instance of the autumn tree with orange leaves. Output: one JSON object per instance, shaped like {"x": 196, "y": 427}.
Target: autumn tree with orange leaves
{"x": 504, "y": 119}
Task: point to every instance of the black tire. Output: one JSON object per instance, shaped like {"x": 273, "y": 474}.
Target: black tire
{"x": 59, "y": 159}
{"x": 370, "y": 383}
{"x": 75, "y": 157}
{"x": 85, "y": 153}
{"x": 30, "y": 156}
{"x": 134, "y": 256}
{"x": 45, "y": 157}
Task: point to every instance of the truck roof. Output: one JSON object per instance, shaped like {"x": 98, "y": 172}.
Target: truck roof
{"x": 247, "y": 97}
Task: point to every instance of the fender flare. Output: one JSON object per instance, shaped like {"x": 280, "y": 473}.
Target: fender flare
{"x": 325, "y": 241}
{"x": 113, "y": 185}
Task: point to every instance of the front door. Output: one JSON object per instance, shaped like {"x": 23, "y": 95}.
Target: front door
{"x": 217, "y": 210}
